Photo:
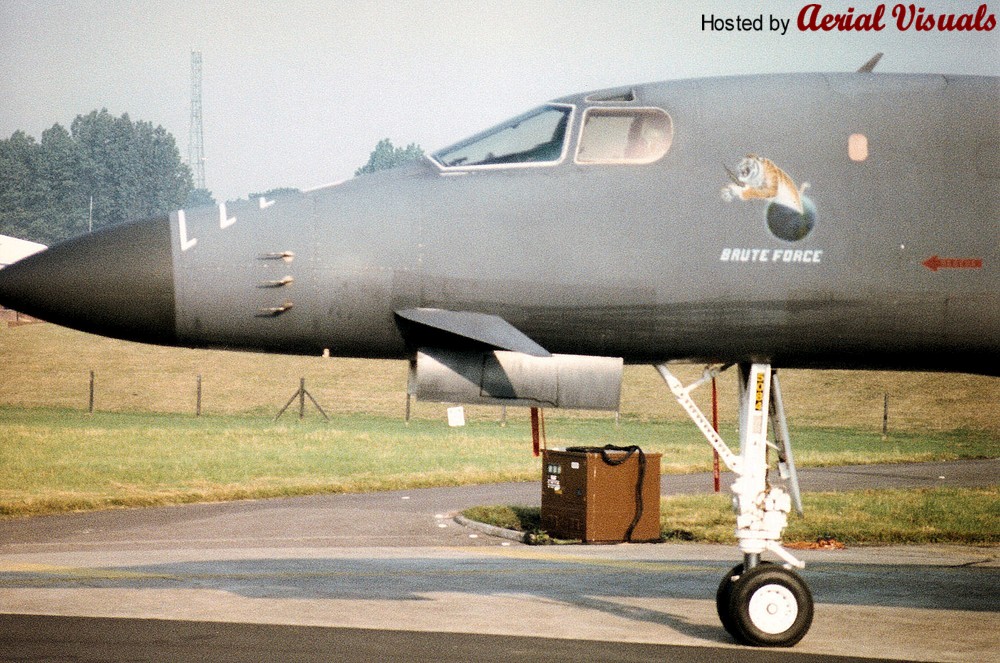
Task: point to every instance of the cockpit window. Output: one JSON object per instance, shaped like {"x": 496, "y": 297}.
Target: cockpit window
{"x": 535, "y": 138}
{"x": 624, "y": 135}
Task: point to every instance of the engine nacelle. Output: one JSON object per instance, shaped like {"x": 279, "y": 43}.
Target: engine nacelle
{"x": 514, "y": 378}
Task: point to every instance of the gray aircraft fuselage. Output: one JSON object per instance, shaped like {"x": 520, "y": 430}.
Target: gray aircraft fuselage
{"x": 895, "y": 269}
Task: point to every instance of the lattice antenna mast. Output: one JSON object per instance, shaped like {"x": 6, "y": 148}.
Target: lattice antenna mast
{"x": 196, "y": 142}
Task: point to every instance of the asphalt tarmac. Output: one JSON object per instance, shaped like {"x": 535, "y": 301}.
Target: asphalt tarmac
{"x": 392, "y": 577}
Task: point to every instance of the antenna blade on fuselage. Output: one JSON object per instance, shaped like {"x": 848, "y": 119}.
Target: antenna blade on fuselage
{"x": 869, "y": 66}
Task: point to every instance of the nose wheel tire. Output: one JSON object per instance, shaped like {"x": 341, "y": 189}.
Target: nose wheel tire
{"x": 767, "y": 606}
{"x": 722, "y": 598}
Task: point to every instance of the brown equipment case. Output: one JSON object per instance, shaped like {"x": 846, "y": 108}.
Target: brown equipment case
{"x": 586, "y": 498}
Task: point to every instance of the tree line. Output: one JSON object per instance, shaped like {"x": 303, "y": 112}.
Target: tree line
{"x": 386, "y": 156}
{"x": 103, "y": 171}
{"x": 107, "y": 170}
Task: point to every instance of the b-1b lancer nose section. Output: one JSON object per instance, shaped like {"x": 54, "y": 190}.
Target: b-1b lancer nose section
{"x": 116, "y": 282}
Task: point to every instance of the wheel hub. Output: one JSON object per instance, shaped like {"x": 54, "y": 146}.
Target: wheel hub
{"x": 773, "y": 609}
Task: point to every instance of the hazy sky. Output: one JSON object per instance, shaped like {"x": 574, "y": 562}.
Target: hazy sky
{"x": 298, "y": 92}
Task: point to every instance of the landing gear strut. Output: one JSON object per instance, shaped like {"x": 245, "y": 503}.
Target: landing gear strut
{"x": 759, "y": 603}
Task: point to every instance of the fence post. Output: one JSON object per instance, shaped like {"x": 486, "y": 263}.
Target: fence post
{"x": 411, "y": 387}
{"x": 301, "y": 395}
{"x": 302, "y": 398}
{"x": 197, "y": 412}
{"x": 90, "y": 406}
{"x": 885, "y": 416}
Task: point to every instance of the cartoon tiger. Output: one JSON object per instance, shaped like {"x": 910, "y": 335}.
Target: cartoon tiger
{"x": 760, "y": 178}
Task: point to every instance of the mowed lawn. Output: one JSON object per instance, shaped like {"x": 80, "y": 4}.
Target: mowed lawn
{"x": 45, "y": 366}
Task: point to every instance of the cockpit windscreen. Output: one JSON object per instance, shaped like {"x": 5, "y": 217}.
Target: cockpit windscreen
{"x": 537, "y": 137}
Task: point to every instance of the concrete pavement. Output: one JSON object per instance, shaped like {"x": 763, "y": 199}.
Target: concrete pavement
{"x": 396, "y": 563}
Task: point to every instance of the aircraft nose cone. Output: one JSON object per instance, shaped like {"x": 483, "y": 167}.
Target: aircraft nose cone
{"x": 116, "y": 282}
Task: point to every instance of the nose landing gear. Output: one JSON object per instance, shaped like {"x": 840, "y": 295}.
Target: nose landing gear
{"x": 759, "y": 603}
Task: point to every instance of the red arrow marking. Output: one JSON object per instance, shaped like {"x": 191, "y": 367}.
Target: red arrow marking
{"x": 935, "y": 263}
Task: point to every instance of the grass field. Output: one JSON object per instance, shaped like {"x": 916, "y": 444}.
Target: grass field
{"x": 144, "y": 445}
{"x": 49, "y": 366}
{"x": 57, "y": 460}
{"x": 938, "y": 515}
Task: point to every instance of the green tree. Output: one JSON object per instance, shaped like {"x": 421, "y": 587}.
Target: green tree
{"x": 127, "y": 170}
{"x": 20, "y": 164}
{"x": 134, "y": 170}
{"x": 65, "y": 199}
{"x": 385, "y": 156}
{"x": 199, "y": 198}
